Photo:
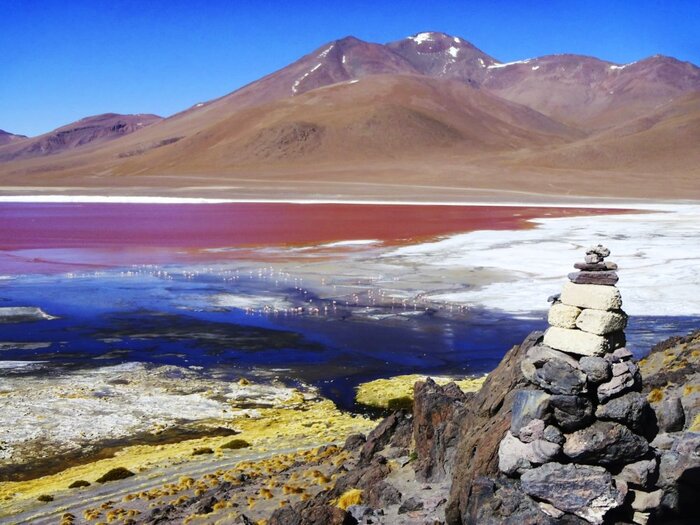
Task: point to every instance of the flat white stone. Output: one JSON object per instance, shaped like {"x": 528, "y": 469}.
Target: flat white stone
{"x": 575, "y": 341}
{"x": 601, "y": 322}
{"x": 563, "y": 315}
{"x": 594, "y": 296}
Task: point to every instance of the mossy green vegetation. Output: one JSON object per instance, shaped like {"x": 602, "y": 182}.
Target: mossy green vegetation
{"x": 397, "y": 392}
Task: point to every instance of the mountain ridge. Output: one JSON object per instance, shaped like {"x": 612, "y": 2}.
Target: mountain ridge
{"x": 558, "y": 115}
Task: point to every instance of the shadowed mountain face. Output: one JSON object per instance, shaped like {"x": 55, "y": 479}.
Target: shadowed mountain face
{"x": 431, "y": 107}
{"x": 99, "y": 128}
{"x": 9, "y": 138}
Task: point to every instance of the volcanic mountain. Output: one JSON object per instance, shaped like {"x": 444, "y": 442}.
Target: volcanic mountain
{"x": 95, "y": 129}
{"x": 427, "y": 113}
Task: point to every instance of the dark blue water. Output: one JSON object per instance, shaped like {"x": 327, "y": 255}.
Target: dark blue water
{"x": 111, "y": 318}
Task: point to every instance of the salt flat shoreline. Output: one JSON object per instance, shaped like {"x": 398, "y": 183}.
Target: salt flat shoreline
{"x": 563, "y": 202}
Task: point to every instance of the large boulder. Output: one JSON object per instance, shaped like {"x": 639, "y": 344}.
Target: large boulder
{"x": 482, "y": 428}
{"x": 605, "y": 443}
{"x": 585, "y": 491}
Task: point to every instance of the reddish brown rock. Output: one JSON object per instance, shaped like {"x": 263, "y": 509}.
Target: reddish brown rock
{"x": 484, "y": 424}
{"x": 606, "y": 278}
{"x": 437, "y": 412}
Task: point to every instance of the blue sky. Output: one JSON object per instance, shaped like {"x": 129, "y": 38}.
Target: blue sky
{"x": 63, "y": 60}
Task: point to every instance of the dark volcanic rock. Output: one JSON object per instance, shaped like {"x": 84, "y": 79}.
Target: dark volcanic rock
{"x": 482, "y": 428}
{"x": 571, "y": 412}
{"x": 437, "y": 412}
{"x": 354, "y": 441}
{"x": 597, "y": 369}
{"x": 559, "y": 377}
{"x": 640, "y": 473}
{"x": 670, "y": 416}
{"x": 312, "y": 515}
{"x": 527, "y": 406}
{"x": 606, "y": 278}
{"x": 382, "y": 494}
{"x": 625, "y": 378}
{"x": 587, "y": 492}
{"x": 631, "y": 409}
{"x": 410, "y": 505}
{"x": 395, "y": 428}
{"x": 501, "y": 502}
{"x": 605, "y": 443}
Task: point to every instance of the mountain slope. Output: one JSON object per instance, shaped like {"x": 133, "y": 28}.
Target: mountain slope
{"x": 96, "y": 129}
{"x": 665, "y": 140}
{"x": 9, "y": 138}
{"x": 381, "y": 117}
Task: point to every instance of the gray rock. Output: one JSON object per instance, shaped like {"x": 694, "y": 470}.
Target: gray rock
{"x": 553, "y": 435}
{"x": 599, "y": 250}
{"x": 641, "y": 518}
{"x": 596, "y": 267}
{"x": 682, "y": 462}
{"x": 631, "y": 409}
{"x": 571, "y": 412}
{"x": 670, "y": 415}
{"x": 540, "y": 354}
{"x": 528, "y": 405}
{"x": 640, "y": 473}
{"x": 597, "y": 369}
{"x": 605, "y": 443}
{"x": 585, "y": 491}
{"x": 643, "y": 500}
{"x": 533, "y": 431}
{"x": 556, "y": 376}
{"x": 502, "y": 502}
{"x": 592, "y": 258}
{"x": 514, "y": 456}
{"x": 619, "y": 354}
{"x": 664, "y": 441}
{"x": 627, "y": 380}
{"x": 410, "y": 505}
{"x": 550, "y": 510}
{"x": 604, "y": 278}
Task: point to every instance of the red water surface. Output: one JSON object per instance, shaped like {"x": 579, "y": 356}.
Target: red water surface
{"x": 57, "y": 237}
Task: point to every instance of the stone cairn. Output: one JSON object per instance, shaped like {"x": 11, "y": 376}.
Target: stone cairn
{"x": 578, "y": 439}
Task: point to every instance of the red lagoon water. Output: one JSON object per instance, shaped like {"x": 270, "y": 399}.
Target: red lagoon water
{"x": 58, "y": 237}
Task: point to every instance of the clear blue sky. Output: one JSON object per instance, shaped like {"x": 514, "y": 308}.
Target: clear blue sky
{"x": 62, "y": 60}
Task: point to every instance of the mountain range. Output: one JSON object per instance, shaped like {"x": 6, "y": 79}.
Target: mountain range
{"x": 429, "y": 116}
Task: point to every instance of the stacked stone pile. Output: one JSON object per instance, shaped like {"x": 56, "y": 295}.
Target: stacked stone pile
{"x": 578, "y": 439}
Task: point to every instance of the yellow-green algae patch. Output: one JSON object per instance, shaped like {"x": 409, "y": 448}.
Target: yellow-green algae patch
{"x": 397, "y": 392}
{"x": 299, "y": 424}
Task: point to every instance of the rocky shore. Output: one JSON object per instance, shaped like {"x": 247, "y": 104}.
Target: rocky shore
{"x": 562, "y": 431}
{"x": 568, "y": 429}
